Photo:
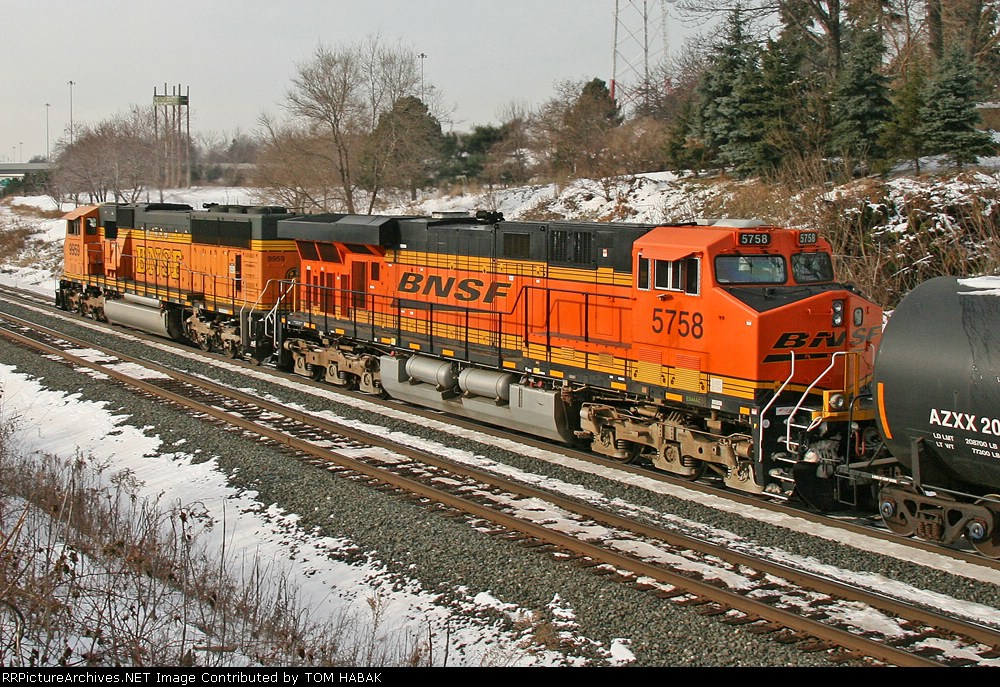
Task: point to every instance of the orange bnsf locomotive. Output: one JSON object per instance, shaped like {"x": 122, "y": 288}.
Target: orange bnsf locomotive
{"x": 725, "y": 347}
{"x": 205, "y": 277}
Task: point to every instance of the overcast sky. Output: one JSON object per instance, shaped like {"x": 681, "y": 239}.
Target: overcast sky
{"x": 238, "y": 56}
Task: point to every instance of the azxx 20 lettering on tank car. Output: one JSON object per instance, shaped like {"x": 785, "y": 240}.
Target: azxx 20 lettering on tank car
{"x": 720, "y": 347}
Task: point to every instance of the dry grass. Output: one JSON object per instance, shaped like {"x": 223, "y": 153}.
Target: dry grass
{"x": 31, "y": 210}
{"x": 92, "y": 574}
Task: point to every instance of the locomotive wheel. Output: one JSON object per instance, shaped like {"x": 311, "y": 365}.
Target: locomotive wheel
{"x": 232, "y": 351}
{"x": 205, "y": 344}
{"x": 989, "y": 545}
{"x": 699, "y": 467}
{"x": 627, "y": 453}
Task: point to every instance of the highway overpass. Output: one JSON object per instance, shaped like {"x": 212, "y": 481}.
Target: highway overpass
{"x": 12, "y": 169}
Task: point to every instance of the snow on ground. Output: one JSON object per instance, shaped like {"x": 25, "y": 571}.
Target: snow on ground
{"x": 49, "y": 422}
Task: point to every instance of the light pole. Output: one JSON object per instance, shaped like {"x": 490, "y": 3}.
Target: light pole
{"x": 47, "y": 106}
{"x": 71, "y": 138}
{"x": 20, "y": 150}
{"x": 422, "y": 56}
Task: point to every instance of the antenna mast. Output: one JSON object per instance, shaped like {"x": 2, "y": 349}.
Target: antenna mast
{"x": 640, "y": 41}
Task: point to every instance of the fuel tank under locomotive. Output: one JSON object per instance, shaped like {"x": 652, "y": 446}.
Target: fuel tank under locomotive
{"x": 145, "y": 314}
{"x": 937, "y": 378}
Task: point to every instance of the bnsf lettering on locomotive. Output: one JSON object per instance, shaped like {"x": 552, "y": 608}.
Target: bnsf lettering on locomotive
{"x": 863, "y": 335}
{"x": 160, "y": 262}
{"x": 460, "y": 289}
{"x": 804, "y": 339}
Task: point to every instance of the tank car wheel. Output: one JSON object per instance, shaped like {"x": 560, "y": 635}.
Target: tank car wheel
{"x": 986, "y": 545}
{"x": 895, "y": 519}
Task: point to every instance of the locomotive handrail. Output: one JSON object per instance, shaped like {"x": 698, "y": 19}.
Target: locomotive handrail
{"x": 805, "y": 394}
{"x": 272, "y": 314}
{"x": 774, "y": 399}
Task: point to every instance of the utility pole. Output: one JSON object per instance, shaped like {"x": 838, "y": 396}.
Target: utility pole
{"x": 72, "y": 138}
{"x": 422, "y": 56}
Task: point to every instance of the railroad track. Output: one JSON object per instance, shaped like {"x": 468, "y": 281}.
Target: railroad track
{"x": 870, "y": 528}
{"x": 772, "y": 600}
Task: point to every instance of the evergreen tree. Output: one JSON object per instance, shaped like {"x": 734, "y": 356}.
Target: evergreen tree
{"x": 903, "y": 137}
{"x": 747, "y": 111}
{"x": 720, "y": 113}
{"x": 685, "y": 149}
{"x": 949, "y": 114}
{"x": 861, "y": 106}
{"x": 464, "y": 155}
{"x": 782, "y": 101}
{"x": 581, "y": 141}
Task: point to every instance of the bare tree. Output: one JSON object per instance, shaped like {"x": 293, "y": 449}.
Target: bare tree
{"x": 114, "y": 159}
{"x": 294, "y": 166}
{"x": 509, "y": 160}
{"x": 335, "y": 102}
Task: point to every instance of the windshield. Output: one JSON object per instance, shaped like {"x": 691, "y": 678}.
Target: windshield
{"x": 750, "y": 269}
{"x": 808, "y": 268}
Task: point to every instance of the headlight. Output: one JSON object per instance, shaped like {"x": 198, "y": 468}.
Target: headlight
{"x": 838, "y": 313}
{"x": 837, "y": 401}
{"x": 859, "y": 316}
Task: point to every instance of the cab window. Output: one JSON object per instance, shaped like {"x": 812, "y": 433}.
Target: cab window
{"x": 750, "y": 269}
{"x": 808, "y": 268}
{"x": 677, "y": 275}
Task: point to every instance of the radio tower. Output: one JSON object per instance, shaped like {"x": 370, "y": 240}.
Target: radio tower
{"x": 640, "y": 42}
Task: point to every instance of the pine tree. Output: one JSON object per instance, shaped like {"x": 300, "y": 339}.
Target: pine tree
{"x": 747, "y": 112}
{"x": 949, "y": 115}
{"x": 903, "y": 136}
{"x": 403, "y": 149}
{"x": 684, "y": 148}
{"x": 720, "y": 112}
{"x": 861, "y": 106}
{"x": 783, "y": 94}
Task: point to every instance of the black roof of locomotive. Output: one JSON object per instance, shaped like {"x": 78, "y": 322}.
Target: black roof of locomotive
{"x": 368, "y": 230}
{"x": 610, "y": 244}
{"x": 232, "y": 225}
